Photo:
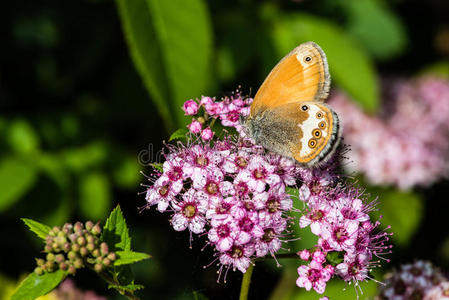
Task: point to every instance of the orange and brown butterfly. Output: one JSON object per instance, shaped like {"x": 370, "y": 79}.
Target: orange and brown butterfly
{"x": 288, "y": 115}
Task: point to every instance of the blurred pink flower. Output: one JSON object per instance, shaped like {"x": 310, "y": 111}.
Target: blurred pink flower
{"x": 419, "y": 280}
{"x": 407, "y": 143}
{"x": 68, "y": 291}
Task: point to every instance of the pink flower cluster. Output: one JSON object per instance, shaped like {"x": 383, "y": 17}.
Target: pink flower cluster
{"x": 407, "y": 144}
{"x": 207, "y": 110}
{"x": 239, "y": 196}
{"x": 419, "y": 280}
{"x": 234, "y": 190}
{"x": 339, "y": 217}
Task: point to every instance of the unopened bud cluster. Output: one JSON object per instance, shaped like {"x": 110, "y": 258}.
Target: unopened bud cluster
{"x": 72, "y": 247}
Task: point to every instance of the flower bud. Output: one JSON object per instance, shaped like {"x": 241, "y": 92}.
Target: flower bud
{"x": 106, "y": 262}
{"x": 90, "y": 239}
{"x": 38, "y": 271}
{"x": 49, "y": 265}
{"x": 190, "y": 107}
{"x": 207, "y": 134}
{"x": 63, "y": 266}
{"x": 55, "y": 247}
{"x": 59, "y": 258}
{"x": 50, "y": 257}
{"x": 83, "y": 251}
{"x": 73, "y": 237}
{"x": 112, "y": 256}
{"x": 90, "y": 247}
{"x": 81, "y": 241}
{"x": 96, "y": 230}
{"x": 89, "y": 225}
{"x": 40, "y": 262}
{"x": 96, "y": 253}
{"x": 78, "y": 263}
{"x": 66, "y": 247}
{"x": 98, "y": 267}
{"x": 78, "y": 227}
{"x": 76, "y": 247}
{"x": 194, "y": 127}
{"x": 104, "y": 248}
{"x": 72, "y": 255}
{"x": 71, "y": 270}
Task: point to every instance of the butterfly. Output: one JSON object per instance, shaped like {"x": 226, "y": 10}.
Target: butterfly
{"x": 288, "y": 114}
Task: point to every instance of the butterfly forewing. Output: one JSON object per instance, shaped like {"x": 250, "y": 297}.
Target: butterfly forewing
{"x": 302, "y": 75}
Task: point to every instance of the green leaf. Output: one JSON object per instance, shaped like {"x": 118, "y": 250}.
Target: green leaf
{"x": 129, "y": 257}
{"x": 41, "y": 230}
{"x": 350, "y": 66}
{"x": 95, "y": 196}
{"x": 16, "y": 178}
{"x": 178, "y": 134}
{"x": 22, "y": 138}
{"x": 115, "y": 232}
{"x": 392, "y": 205}
{"x": 376, "y": 26}
{"x": 35, "y": 285}
{"x": 171, "y": 46}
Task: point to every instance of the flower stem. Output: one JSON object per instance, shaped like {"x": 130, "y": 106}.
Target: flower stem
{"x": 106, "y": 277}
{"x": 245, "y": 283}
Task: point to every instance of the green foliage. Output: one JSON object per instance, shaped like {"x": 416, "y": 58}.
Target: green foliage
{"x": 35, "y": 285}
{"x": 17, "y": 176}
{"x": 119, "y": 275}
{"x": 376, "y": 27}
{"x": 171, "y": 46}
{"x": 178, "y": 134}
{"x": 393, "y": 205}
{"x": 335, "y": 257}
{"x": 95, "y": 196}
{"x": 22, "y": 137}
{"x": 350, "y": 66}
{"x": 129, "y": 257}
{"x": 41, "y": 230}
{"x": 115, "y": 232}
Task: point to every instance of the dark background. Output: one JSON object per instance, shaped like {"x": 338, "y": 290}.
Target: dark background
{"x": 72, "y": 103}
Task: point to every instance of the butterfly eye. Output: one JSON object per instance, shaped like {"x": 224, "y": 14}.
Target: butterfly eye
{"x": 319, "y": 114}
{"x": 316, "y": 133}
{"x": 322, "y": 125}
{"x": 312, "y": 143}
{"x": 308, "y": 59}
{"x": 305, "y": 107}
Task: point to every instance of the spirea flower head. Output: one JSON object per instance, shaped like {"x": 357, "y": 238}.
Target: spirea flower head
{"x": 73, "y": 246}
{"x": 407, "y": 143}
{"x": 418, "y": 280}
{"x": 238, "y": 197}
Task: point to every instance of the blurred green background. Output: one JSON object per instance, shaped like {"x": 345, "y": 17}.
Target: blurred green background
{"x": 89, "y": 89}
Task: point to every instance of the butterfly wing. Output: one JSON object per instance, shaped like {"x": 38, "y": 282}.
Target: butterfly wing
{"x": 308, "y": 132}
{"x": 302, "y": 75}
